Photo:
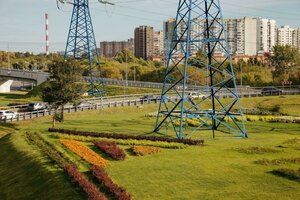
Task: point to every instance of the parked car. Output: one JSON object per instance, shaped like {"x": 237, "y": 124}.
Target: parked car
{"x": 149, "y": 97}
{"x": 85, "y": 104}
{"x": 7, "y": 114}
{"x": 195, "y": 95}
{"x": 270, "y": 90}
{"x": 36, "y": 106}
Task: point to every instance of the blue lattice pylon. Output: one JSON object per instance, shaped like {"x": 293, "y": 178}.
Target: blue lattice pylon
{"x": 81, "y": 44}
{"x": 199, "y": 91}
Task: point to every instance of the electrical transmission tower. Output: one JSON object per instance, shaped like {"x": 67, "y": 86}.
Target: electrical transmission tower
{"x": 81, "y": 43}
{"x": 199, "y": 91}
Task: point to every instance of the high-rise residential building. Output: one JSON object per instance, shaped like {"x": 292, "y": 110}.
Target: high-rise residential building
{"x": 130, "y": 45}
{"x": 286, "y": 36}
{"x": 143, "y": 42}
{"x": 296, "y": 38}
{"x": 112, "y": 48}
{"x": 168, "y": 28}
{"x": 235, "y": 35}
{"x": 158, "y": 43}
{"x": 266, "y": 33}
{"x": 248, "y": 36}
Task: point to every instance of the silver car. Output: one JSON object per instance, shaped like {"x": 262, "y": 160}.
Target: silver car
{"x": 7, "y": 114}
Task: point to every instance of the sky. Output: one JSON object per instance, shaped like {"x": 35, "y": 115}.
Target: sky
{"x": 22, "y": 22}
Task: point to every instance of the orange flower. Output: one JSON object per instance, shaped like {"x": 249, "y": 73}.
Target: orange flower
{"x": 84, "y": 152}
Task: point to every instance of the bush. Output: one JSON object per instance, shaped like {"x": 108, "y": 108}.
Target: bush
{"x": 127, "y": 137}
{"x": 288, "y": 173}
{"x": 49, "y": 149}
{"x": 89, "y": 188}
{"x": 142, "y": 151}
{"x": 111, "y": 149}
{"x": 84, "y": 152}
{"x": 101, "y": 175}
{"x": 171, "y": 145}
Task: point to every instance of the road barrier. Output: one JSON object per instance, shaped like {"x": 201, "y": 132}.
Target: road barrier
{"x": 109, "y": 103}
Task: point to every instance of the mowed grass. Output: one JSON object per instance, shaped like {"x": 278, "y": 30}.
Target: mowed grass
{"x": 112, "y": 90}
{"x": 218, "y": 170}
{"x": 26, "y": 173}
{"x": 15, "y": 97}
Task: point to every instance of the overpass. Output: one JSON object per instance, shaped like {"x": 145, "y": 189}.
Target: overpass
{"x": 36, "y": 77}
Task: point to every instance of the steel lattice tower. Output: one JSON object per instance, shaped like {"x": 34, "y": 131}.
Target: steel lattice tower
{"x": 81, "y": 44}
{"x": 199, "y": 65}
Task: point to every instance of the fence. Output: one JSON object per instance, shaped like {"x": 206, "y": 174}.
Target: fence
{"x": 118, "y": 103}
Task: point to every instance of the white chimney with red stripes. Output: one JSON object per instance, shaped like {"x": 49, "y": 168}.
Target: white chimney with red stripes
{"x": 47, "y": 34}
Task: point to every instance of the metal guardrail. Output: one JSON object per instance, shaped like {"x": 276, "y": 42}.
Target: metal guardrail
{"x": 71, "y": 109}
{"x": 117, "y": 103}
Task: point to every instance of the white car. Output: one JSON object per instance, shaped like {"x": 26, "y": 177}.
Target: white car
{"x": 7, "y": 114}
{"x": 196, "y": 95}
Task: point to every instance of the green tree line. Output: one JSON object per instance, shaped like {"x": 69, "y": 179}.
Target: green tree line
{"x": 282, "y": 65}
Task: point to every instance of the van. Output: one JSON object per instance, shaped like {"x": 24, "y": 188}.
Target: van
{"x": 36, "y": 106}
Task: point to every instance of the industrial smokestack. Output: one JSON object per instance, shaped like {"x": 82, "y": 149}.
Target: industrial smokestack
{"x": 47, "y": 34}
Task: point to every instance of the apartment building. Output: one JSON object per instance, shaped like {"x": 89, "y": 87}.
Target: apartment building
{"x": 286, "y": 35}
{"x": 111, "y": 49}
{"x": 296, "y": 38}
{"x": 158, "y": 43}
{"x": 248, "y": 36}
{"x": 144, "y": 42}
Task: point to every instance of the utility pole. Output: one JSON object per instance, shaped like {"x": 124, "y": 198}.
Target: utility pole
{"x": 241, "y": 66}
{"x": 133, "y": 70}
{"x": 8, "y": 56}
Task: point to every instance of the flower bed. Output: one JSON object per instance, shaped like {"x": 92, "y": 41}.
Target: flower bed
{"x": 167, "y": 145}
{"x": 111, "y": 149}
{"x": 84, "y": 152}
{"x": 142, "y": 151}
{"x": 101, "y": 175}
{"x": 89, "y": 188}
{"x": 127, "y": 137}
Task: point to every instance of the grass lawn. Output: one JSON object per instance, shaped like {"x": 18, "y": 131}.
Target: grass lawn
{"x": 112, "y": 90}
{"x": 217, "y": 170}
{"x": 15, "y": 97}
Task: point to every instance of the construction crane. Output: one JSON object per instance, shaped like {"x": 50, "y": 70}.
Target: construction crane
{"x": 81, "y": 42}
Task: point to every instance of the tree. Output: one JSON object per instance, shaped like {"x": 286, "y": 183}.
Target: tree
{"x": 285, "y": 61}
{"x": 125, "y": 56}
{"x": 64, "y": 87}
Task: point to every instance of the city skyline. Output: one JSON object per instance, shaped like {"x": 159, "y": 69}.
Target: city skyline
{"x": 23, "y": 24}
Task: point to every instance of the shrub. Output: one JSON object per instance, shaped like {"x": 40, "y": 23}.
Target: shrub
{"x": 288, "y": 173}
{"x": 256, "y": 150}
{"x": 84, "y": 152}
{"x": 142, "y": 151}
{"x": 127, "y": 137}
{"x": 89, "y": 188}
{"x": 101, "y": 175}
{"x": 111, "y": 149}
{"x": 49, "y": 149}
{"x": 279, "y": 161}
{"x": 171, "y": 145}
